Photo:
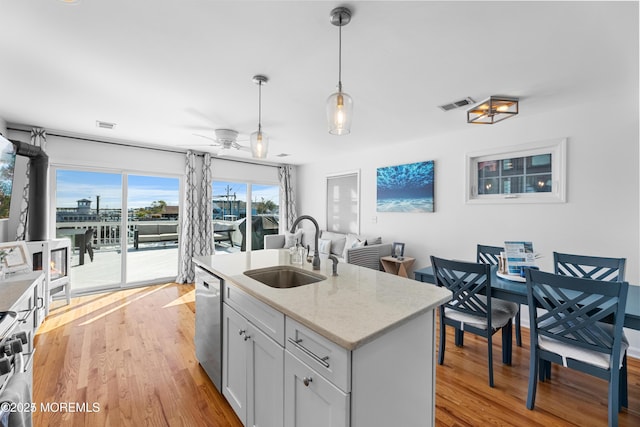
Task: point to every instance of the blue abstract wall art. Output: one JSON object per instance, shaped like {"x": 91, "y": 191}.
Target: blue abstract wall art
{"x": 405, "y": 188}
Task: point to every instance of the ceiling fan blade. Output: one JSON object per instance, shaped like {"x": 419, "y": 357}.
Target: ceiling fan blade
{"x": 215, "y": 142}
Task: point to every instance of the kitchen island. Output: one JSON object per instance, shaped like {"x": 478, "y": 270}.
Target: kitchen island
{"x": 357, "y": 348}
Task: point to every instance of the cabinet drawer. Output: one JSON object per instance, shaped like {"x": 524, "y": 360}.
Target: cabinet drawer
{"x": 326, "y": 357}
{"x": 267, "y": 319}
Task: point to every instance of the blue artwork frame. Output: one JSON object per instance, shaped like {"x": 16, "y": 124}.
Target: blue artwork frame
{"x": 406, "y": 188}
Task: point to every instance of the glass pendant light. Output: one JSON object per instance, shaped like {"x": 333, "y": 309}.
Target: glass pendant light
{"x": 340, "y": 104}
{"x": 259, "y": 140}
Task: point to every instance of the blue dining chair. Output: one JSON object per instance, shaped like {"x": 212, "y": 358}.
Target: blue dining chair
{"x": 472, "y": 309}
{"x": 591, "y": 267}
{"x": 566, "y": 327}
{"x": 489, "y": 255}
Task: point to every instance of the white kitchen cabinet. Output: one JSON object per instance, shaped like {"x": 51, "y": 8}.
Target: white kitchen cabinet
{"x": 310, "y": 399}
{"x": 265, "y": 375}
{"x": 253, "y": 371}
{"x": 234, "y": 361}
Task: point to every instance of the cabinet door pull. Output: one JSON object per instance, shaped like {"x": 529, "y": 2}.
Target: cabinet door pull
{"x": 29, "y": 313}
{"x": 320, "y": 360}
{"x": 306, "y": 381}
{"x": 242, "y": 331}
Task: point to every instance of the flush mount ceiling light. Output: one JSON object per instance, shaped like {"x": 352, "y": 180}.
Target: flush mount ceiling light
{"x": 259, "y": 140}
{"x": 339, "y": 104}
{"x": 493, "y": 110}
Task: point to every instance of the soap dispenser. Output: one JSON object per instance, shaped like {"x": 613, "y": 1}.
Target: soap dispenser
{"x": 296, "y": 254}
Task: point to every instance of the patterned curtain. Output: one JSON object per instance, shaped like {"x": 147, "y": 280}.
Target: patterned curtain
{"x": 39, "y": 139}
{"x": 288, "y": 212}
{"x": 205, "y": 230}
{"x": 196, "y": 233}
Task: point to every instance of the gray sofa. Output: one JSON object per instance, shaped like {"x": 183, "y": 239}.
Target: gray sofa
{"x": 147, "y": 233}
{"x": 362, "y": 251}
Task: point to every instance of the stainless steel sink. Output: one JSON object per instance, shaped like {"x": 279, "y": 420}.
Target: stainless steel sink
{"x": 284, "y": 276}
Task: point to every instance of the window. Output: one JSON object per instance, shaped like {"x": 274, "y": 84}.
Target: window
{"x": 530, "y": 173}
{"x": 125, "y": 213}
{"x": 231, "y": 203}
{"x": 343, "y": 202}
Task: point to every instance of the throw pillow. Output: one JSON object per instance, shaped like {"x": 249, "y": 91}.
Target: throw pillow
{"x": 290, "y": 239}
{"x": 324, "y": 246}
{"x": 353, "y": 241}
{"x": 337, "y": 241}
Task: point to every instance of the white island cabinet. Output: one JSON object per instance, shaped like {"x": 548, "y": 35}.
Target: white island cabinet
{"x": 353, "y": 350}
{"x": 252, "y": 361}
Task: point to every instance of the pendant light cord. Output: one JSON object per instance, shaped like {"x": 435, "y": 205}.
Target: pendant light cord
{"x": 340, "y": 55}
{"x": 259, "y": 107}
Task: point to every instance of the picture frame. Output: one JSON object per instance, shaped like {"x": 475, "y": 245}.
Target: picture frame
{"x": 397, "y": 250}
{"x": 405, "y": 188}
{"x": 16, "y": 257}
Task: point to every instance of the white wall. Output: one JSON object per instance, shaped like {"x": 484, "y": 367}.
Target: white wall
{"x": 229, "y": 170}
{"x": 601, "y": 216}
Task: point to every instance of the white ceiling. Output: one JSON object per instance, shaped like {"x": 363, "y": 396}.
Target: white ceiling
{"x": 164, "y": 70}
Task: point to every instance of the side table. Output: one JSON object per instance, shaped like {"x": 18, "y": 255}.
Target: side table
{"x": 397, "y": 266}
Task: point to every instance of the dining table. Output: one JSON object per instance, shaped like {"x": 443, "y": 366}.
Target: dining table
{"x": 516, "y": 291}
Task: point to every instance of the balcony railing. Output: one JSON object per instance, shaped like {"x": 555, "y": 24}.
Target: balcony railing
{"x": 108, "y": 234}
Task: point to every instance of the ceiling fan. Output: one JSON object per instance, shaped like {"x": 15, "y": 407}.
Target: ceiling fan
{"x": 226, "y": 139}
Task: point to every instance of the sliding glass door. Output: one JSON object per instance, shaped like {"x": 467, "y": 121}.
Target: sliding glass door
{"x": 89, "y": 213}
{"x": 153, "y": 221}
{"x": 123, "y": 227}
{"x": 233, "y": 204}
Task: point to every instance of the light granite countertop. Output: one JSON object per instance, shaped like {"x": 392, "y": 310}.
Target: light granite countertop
{"x": 14, "y": 286}
{"x": 351, "y": 309}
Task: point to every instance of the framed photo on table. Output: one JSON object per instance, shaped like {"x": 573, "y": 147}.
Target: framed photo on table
{"x": 397, "y": 250}
{"x": 14, "y": 257}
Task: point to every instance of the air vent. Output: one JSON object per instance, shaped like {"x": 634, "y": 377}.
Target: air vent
{"x": 283, "y": 155}
{"x": 105, "y": 125}
{"x": 457, "y": 104}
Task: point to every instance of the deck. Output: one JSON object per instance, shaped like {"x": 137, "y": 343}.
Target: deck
{"x": 152, "y": 263}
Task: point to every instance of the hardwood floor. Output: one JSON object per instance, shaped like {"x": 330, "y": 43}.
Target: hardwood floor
{"x": 132, "y": 354}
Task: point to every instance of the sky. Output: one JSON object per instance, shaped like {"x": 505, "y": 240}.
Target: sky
{"x": 72, "y": 186}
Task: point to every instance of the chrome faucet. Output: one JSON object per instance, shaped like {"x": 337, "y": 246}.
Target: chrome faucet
{"x": 316, "y": 256}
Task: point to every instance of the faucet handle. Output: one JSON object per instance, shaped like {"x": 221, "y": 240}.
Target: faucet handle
{"x": 334, "y": 267}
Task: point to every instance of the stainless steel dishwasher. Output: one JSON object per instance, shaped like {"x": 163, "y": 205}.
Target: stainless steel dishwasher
{"x": 208, "y": 339}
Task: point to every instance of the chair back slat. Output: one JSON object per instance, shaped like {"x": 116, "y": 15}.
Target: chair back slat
{"x": 467, "y": 281}
{"x": 575, "y": 310}
{"x": 590, "y": 267}
{"x": 488, "y": 254}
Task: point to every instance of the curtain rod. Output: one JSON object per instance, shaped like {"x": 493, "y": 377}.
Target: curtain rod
{"x": 167, "y": 150}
